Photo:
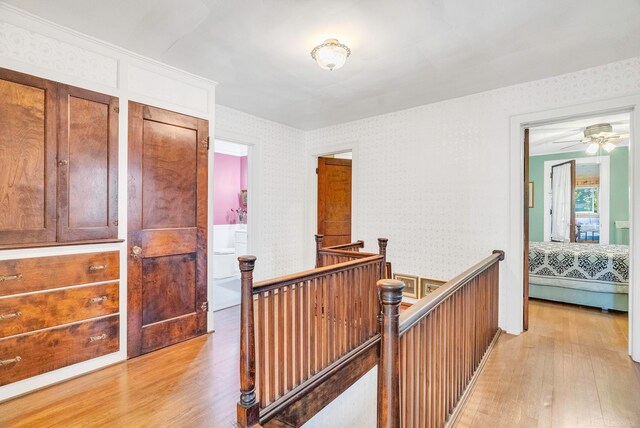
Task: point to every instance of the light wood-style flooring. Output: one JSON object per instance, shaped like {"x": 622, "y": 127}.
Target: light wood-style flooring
{"x": 191, "y": 384}
{"x": 571, "y": 369}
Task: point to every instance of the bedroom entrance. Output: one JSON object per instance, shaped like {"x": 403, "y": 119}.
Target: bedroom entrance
{"x": 577, "y": 191}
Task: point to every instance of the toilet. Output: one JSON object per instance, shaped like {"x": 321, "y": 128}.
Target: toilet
{"x": 225, "y": 263}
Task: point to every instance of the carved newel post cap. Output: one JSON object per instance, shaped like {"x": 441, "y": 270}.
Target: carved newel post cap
{"x": 247, "y": 262}
{"x": 319, "y": 236}
{"x": 383, "y": 240}
{"x": 390, "y": 291}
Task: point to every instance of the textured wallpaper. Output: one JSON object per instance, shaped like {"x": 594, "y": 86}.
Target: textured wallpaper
{"x": 282, "y": 190}
{"x": 434, "y": 179}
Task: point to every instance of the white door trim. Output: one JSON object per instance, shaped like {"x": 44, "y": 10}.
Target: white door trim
{"x": 254, "y": 198}
{"x": 511, "y": 311}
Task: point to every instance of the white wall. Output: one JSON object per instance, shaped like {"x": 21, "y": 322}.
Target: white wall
{"x": 276, "y": 226}
{"x": 355, "y": 407}
{"x": 435, "y": 179}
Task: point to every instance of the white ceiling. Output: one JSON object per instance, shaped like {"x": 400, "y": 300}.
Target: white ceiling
{"x": 549, "y": 138}
{"x": 405, "y": 52}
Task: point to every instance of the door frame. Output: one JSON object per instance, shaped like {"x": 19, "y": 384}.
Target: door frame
{"x": 253, "y": 199}
{"x": 604, "y": 193}
{"x": 512, "y": 308}
{"x": 311, "y": 216}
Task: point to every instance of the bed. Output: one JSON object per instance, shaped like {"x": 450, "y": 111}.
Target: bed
{"x": 582, "y": 274}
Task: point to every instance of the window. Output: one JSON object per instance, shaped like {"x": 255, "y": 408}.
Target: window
{"x": 587, "y": 199}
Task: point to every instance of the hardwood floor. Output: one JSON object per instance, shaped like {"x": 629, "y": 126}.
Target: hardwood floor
{"x": 191, "y": 384}
{"x": 571, "y": 369}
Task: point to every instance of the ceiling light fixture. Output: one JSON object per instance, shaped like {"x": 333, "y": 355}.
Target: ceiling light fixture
{"x": 331, "y": 55}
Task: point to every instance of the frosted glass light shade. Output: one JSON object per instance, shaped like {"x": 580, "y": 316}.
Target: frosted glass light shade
{"x": 593, "y": 148}
{"x": 609, "y": 147}
{"x": 331, "y": 55}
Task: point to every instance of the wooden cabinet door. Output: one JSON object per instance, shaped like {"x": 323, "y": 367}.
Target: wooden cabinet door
{"x": 27, "y": 159}
{"x": 334, "y": 200}
{"x": 167, "y": 228}
{"x": 87, "y": 165}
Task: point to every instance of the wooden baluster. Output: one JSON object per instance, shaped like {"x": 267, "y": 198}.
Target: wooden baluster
{"x": 382, "y": 250}
{"x": 262, "y": 337}
{"x": 248, "y": 409}
{"x": 281, "y": 357}
{"x": 390, "y": 295}
{"x": 318, "y": 247}
{"x": 271, "y": 304}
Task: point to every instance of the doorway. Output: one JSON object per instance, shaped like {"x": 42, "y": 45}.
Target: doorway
{"x": 334, "y": 198}
{"x": 230, "y": 222}
{"x": 577, "y": 214}
{"x": 167, "y": 228}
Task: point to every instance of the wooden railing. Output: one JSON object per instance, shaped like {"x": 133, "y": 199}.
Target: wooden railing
{"x": 326, "y": 256}
{"x": 303, "y": 327}
{"x": 430, "y": 352}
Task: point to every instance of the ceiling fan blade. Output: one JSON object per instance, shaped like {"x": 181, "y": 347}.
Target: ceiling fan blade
{"x": 567, "y": 141}
{"x": 573, "y": 145}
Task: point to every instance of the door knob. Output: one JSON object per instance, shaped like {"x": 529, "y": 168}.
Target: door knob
{"x": 136, "y": 251}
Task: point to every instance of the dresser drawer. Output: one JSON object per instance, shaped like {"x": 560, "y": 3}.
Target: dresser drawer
{"x": 30, "y": 312}
{"x": 43, "y": 273}
{"x": 32, "y": 354}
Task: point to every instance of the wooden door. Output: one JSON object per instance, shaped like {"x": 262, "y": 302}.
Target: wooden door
{"x": 334, "y": 200}
{"x": 88, "y": 165}
{"x": 572, "y": 196}
{"x": 27, "y": 159}
{"x": 525, "y": 318}
{"x": 167, "y": 269}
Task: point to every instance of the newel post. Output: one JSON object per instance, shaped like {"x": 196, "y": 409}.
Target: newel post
{"x": 390, "y": 295}
{"x": 248, "y": 406}
{"x": 382, "y": 250}
{"x": 318, "y": 247}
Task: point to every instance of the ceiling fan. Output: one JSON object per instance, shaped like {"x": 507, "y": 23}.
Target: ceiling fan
{"x": 597, "y": 136}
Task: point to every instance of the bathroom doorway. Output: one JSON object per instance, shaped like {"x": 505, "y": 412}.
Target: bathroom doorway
{"x": 231, "y": 210}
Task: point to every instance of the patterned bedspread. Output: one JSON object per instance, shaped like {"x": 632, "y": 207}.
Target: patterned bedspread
{"x": 595, "y": 267}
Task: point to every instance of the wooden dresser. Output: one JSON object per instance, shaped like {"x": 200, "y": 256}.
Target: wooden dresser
{"x": 57, "y": 311}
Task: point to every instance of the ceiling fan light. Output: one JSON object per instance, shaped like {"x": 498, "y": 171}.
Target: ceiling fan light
{"x": 592, "y": 149}
{"x": 609, "y": 147}
{"x": 331, "y": 55}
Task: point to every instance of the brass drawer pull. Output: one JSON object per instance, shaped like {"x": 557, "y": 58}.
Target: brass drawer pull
{"x": 96, "y": 338}
{"x": 11, "y": 361}
{"x": 9, "y": 316}
{"x": 10, "y": 277}
{"x": 94, "y": 268}
{"x": 98, "y": 299}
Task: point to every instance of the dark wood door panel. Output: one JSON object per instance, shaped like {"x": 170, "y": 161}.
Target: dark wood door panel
{"x": 43, "y": 273}
{"x": 169, "y": 176}
{"x": 334, "y": 200}
{"x": 30, "y": 312}
{"x": 88, "y": 170}
{"x": 171, "y": 281}
{"x": 162, "y": 334}
{"x": 46, "y": 350}
{"x": 169, "y": 241}
{"x": 167, "y": 226}
{"x": 28, "y": 159}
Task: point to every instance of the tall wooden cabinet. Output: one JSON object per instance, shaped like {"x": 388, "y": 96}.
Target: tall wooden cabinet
{"x": 27, "y": 159}
{"x": 59, "y": 158}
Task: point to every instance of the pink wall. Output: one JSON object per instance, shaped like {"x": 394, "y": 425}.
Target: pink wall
{"x": 243, "y": 172}
{"x": 230, "y": 176}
